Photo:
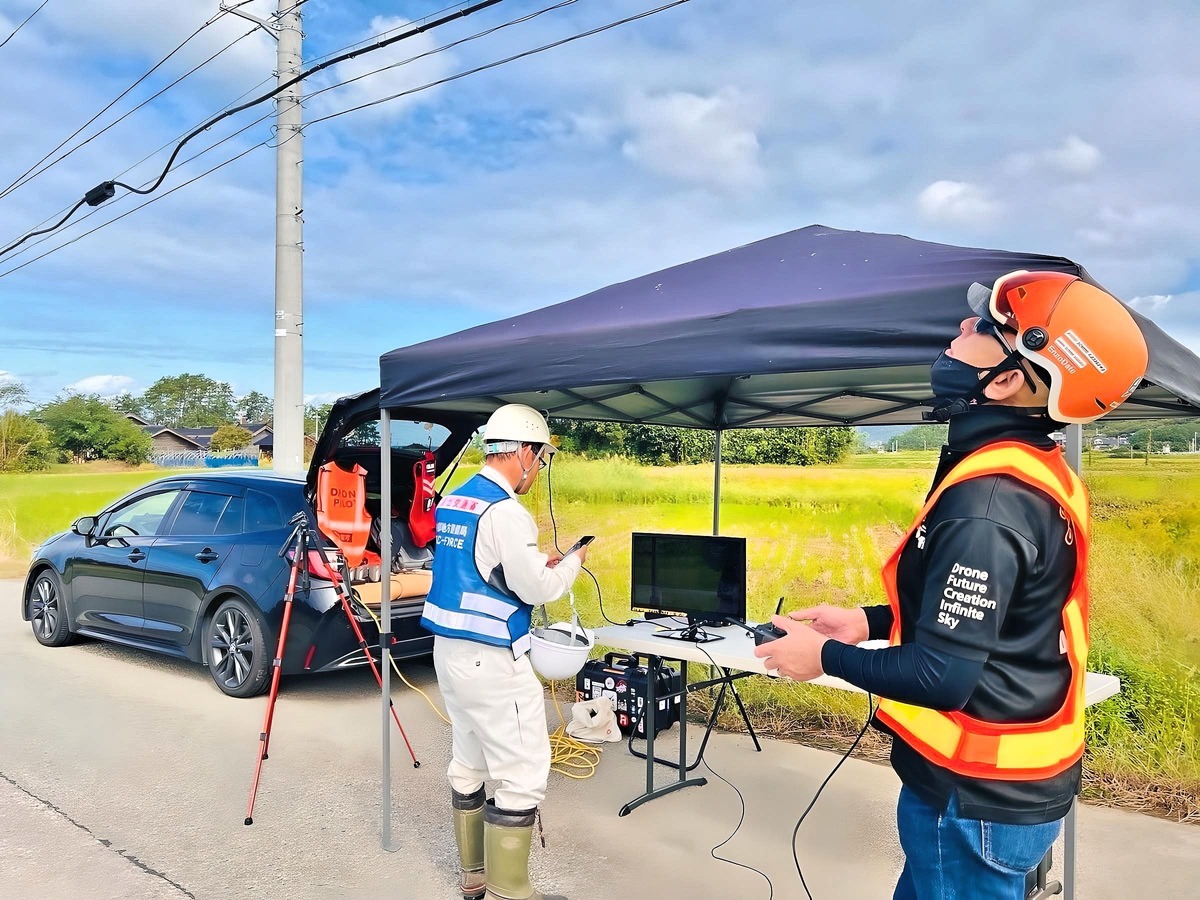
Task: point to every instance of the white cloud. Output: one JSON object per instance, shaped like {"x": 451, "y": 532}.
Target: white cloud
{"x": 709, "y": 140}
{"x": 1074, "y": 157}
{"x": 1151, "y": 303}
{"x": 957, "y": 202}
{"x": 412, "y": 65}
{"x": 104, "y": 385}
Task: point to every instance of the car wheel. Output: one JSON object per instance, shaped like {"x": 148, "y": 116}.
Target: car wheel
{"x": 47, "y": 612}
{"x": 237, "y": 649}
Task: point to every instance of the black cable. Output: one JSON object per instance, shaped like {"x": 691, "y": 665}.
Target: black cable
{"x": 23, "y": 24}
{"x": 105, "y": 190}
{"x": 136, "y": 208}
{"x": 450, "y": 46}
{"x": 742, "y": 800}
{"x": 6, "y": 191}
{"x": 25, "y": 179}
{"x": 817, "y": 795}
{"x": 500, "y": 62}
{"x": 557, "y": 549}
{"x": 207, "y": 149}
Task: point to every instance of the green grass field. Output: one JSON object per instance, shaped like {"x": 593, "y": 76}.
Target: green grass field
{"x": 818, "y": 535}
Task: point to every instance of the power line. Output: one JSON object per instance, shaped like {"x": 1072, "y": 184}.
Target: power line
{"x": 25, "y": 179}
{"x": 444, "y": 47}
{"x": 160, "y": 150}
{"x": 4, "y": 193}
{"x": 107, "y": 189}
{"x": 140, "y": 206}
{"x": 427, "y": 86}
{"x": 207, "y": 149}
{"x": 26, "y": 22}
{"x": 499, "y": 62}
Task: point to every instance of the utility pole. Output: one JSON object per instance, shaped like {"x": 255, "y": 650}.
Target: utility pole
{"x": 289, "y": 246}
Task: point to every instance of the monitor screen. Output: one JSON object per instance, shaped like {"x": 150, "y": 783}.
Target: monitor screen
{"x": 700, "y": 576}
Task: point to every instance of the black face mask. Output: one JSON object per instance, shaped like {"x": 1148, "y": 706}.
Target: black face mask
{"x": 952, "y": 378}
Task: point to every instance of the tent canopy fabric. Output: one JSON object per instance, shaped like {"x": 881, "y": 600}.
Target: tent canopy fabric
{"x": 813, "y": 327}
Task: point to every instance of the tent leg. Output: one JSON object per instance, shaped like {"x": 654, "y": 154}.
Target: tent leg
{"x": 717, "y": 486}
{"x": 385, "y": 609}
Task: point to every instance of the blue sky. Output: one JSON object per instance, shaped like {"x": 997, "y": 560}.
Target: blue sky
{"x": 1054, "y": 128}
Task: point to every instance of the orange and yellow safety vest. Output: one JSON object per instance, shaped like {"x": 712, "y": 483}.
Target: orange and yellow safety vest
{"x": 1020, "y": 751}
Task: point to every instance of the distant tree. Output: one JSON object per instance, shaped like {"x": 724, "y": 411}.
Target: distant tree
{"x": 922, "y": 437}
{"x": 315, "y": 417}
{"x": 25, "y": 444}
{"x": 13, "y": 394}
{"x": 127, "y": 403}
{"x": 188, "y": 401}
{"x": 230, "y": 437}
{"x": 660, "y": 445}
{"x": 85, "y": 427}
{"x": 256, "y": 407}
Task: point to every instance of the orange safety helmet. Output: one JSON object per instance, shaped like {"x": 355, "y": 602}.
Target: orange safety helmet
{"x": 1082, "y": 337}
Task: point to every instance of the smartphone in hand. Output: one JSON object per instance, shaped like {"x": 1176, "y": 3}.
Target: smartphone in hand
{"x": 582, "y": 542}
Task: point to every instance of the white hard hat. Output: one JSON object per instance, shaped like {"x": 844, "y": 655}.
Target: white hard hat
{"x": 559, "y": 651}
{"x": 516, "y": 422}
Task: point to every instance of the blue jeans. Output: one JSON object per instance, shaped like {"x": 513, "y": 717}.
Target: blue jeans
{"x": 947, "y": 857}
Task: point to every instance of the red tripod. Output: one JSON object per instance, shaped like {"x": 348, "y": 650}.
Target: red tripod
{"x": 299, "y": 542}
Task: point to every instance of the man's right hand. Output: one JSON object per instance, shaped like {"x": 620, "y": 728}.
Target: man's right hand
{"x": 582, "y": 553}
{"x": 846, "y": 625}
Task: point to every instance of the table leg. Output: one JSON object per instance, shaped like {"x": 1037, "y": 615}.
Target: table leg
{"x": 653, "y": 667}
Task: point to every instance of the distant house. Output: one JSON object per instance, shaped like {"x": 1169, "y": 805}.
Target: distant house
{"x": 197, "y": 440}
{"x": 1107, "y": 442}
{"x": 1059, "y": 438}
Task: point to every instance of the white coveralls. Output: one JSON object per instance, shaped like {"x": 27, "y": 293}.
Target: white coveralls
{"x": 496, "y": 704}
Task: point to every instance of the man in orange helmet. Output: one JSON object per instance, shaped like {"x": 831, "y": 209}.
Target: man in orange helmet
{"x": 982, "y": 686}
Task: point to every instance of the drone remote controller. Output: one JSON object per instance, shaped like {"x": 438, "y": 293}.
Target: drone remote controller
{"x": 766, "y": 632}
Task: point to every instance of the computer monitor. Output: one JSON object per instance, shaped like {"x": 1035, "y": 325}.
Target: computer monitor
{"x": 699, "y": 576}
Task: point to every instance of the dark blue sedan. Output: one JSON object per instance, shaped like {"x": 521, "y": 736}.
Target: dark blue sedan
{"x": 189, "y": 566}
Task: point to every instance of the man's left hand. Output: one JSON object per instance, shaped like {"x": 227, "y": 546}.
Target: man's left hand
{"x": 797, "y": 656}
{"x": 553, "y": 560}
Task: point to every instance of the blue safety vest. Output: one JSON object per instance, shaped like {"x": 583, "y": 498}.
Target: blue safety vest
{"x": 461, "y": 603}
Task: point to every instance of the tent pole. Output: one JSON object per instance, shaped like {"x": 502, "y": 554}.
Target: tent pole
{"x": 717, "y": 486}
{"x": 385, "y": 608}
{"x": 1074, "y": 452}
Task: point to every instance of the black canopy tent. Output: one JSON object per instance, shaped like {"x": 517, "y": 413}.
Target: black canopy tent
{"x": 813, "y": 327}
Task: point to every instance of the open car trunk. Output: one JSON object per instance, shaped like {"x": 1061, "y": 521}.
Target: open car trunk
{"x": 351, "y": 436}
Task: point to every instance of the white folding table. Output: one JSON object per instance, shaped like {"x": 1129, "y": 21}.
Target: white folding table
{"x": 734, "y": 653}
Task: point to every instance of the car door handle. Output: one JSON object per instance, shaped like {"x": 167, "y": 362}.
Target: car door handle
{"x": 207, "y": 555}
{"x": 136, "y": 555}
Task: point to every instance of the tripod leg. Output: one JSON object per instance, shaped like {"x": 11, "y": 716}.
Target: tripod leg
{"x": 277, "y": 668}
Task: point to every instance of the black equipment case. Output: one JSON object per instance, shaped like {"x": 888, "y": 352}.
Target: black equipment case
{"x": 621, "y": 680}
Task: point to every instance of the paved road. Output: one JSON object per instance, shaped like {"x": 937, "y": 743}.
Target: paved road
{"x": 123, "y": 774}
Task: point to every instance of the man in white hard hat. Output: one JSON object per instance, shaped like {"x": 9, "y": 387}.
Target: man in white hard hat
{"x": 488, "y": 575}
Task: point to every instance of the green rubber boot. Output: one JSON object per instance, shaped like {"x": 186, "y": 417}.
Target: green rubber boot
{"x": 507, "y": 835}
{"x": 468, "y": 834}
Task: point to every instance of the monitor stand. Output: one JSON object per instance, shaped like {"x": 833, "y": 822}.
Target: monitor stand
{"x": 693, "y": 633}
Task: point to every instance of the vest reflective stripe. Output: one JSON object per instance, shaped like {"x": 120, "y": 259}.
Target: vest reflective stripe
{"x": 489, "y": 606}
{"x": 461, "y": 603}
{"x": 1018, "y": 751}
{"x": 466, "y": 623}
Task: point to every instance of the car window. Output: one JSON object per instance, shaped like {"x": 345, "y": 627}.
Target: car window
{"x": 406, "y": 435}
{"x": 199, "y": 513}
{"x": 262, "y": 512}
{"x": 231, "y": 520}
{"x": 141, "y": 517}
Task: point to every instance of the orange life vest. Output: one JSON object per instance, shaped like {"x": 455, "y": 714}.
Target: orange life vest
{"x": 1021, "y": 751}
{"x": 341, "y": 509}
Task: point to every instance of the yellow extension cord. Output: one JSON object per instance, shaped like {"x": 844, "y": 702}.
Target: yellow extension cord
{"x": 569, "y": 757}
